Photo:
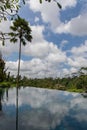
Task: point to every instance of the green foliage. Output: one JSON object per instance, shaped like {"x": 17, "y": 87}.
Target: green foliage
{"x": 8, "y": 7}
{"x": 72, "y": 84}
{"x": 5, "y": 84}
{"x": 58, "y": 4}
{"x": 20, "y": 30}
{"x": 40, "y": 1}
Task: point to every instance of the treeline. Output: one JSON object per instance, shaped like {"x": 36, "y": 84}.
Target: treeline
{"x": 76, "y": 82}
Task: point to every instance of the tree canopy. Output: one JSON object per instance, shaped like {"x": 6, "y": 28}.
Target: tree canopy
{"x": 20, "y": 30}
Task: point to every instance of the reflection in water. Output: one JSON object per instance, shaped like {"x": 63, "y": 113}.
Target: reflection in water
{"x": 1, "y": 97}
{"x": 1, "y": 93}
{"x": 84, "y": 95}
{"x": 42, "y": 109}
{"x": 16, "y": 108}
{"x": 7, "y": 93}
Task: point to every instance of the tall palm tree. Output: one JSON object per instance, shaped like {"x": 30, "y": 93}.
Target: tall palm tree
{"x": 22, "y": 32}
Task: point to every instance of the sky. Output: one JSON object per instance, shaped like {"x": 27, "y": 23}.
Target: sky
{"x": 59, "y": 45}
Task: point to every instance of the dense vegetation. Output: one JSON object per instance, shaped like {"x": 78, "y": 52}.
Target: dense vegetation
{"x": 4, "y": 77}
{"x": 75, "y": 83}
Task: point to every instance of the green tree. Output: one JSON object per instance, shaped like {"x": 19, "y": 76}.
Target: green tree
{"x": 22, "y": 32}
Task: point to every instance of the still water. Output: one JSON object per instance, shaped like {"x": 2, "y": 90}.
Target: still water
{"x": 43, "y": 109}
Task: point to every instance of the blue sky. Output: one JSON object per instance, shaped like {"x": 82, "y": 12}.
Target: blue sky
{"x": 59, "y": 44}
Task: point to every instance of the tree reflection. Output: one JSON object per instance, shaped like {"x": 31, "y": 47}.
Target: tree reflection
{"x": 1, "y": 95}
{"x": 16, "y": 108}
{"x": 0, "y": 103}
{"x": 7, "y": 94}
{"x": 84, "y": 95}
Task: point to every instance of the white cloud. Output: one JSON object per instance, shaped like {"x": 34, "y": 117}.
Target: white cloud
{"x": 37, "y": 19}
{"x": 63, "y": 43}
{"x": 56, "y": 58}
{"x": 9, "y": 48}
{"x": 81, "y": 50}
{"x": 67, "y": 3}
{"x": 39, "y": 67}
{"x": 4, "y": 26}
{"x": 78, "y": 56}
{"x": 77, "y": 62}
{"x": 46, "y": 10}
{"x": 76, "y": 26}
{"x": 50, "y": 13}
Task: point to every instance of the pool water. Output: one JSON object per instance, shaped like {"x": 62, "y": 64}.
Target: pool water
{"x": 43, "y": 109}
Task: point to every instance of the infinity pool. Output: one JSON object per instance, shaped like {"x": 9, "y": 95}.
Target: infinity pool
{"x": 43, "y": 109}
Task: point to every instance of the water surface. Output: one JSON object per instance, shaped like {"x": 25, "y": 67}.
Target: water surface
{"x": 43, "y": 109}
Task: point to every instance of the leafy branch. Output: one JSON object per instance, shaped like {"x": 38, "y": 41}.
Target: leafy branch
{"x": 58, "y": 4}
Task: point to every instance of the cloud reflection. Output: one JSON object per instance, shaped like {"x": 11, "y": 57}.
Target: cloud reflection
{"x": 43, "y": 109}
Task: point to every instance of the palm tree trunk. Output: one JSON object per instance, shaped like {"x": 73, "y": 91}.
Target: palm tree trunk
{"x": 18, "y": 85}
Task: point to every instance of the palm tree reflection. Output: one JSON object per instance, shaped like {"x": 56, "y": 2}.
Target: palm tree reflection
{"x": 7, "y": 94}
{"x": 1, "y": 95}
{"x": 0, "y": 103}
{"x": 16, "y": 108}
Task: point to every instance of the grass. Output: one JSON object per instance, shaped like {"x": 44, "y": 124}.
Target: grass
{"x": 75, "y": 90}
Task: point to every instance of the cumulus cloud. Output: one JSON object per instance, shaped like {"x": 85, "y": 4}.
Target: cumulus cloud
{"x": 39, "y": 67}
{"x": 77, "y": 62}
{"x": 78, "y": 56}
{"x": 50, "y": 13}
{"x": 81, "y": 50}
{"x": 76, "y": 26}
{"x": 46, "y": 10}
{"x": 76, "y": 59}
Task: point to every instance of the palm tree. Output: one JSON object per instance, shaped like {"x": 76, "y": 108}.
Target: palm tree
{"x": 22, "y": 32}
